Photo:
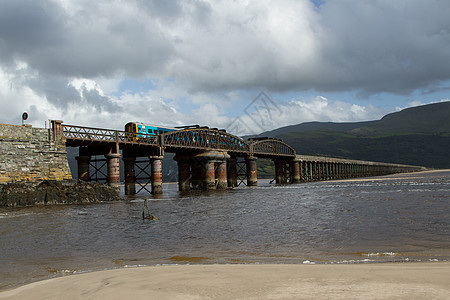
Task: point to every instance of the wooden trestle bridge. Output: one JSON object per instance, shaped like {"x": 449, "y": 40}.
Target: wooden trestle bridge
{"x": 207, "y": 159}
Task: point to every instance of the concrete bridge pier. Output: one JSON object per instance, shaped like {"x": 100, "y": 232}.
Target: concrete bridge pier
{"x": 283, "y": 171}
{"x": 83, "y": 162}
{"x": 279, "y": 171}
{"x": 130, "y": 175}
{"x": 252, "y": 176}
{"x": 196, "y": 174}
{"x": 295, "y": 171}
{"x": 209, "y": 176}
{"x": 184, "y": 172}
{"x": 184, "y": 176}
{"x": 221, "y": 174}
{"x": 156, "y": 175}
{"x": 205, "y": 167}
{"x": 113, "y": 170}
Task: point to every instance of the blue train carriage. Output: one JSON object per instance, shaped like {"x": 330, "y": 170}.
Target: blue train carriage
{"x": 146, "y": 130}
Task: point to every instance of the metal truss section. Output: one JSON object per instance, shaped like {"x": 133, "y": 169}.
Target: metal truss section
{"x": 241, "y": 173}
{"x": 89, "y": 134}
{"x": 271, "y": 147}
{"x": 196, "y": 139}
{"x": 143, "y": 176}
{"x": 98, "y": 166}
{"x": 201, "y": 138}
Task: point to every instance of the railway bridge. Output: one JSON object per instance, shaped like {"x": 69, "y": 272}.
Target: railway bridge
{"x": 207, "y": 159}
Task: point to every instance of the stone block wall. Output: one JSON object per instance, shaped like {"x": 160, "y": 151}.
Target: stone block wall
{"x": 31, "y": 154}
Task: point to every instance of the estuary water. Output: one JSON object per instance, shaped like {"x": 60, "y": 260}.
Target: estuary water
{"x": 403, "y": 217}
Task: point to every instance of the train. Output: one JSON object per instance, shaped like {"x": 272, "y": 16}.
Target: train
{"x": 143, "y": 130}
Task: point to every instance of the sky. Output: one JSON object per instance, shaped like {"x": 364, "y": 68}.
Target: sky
{"x": 246, "y": 65}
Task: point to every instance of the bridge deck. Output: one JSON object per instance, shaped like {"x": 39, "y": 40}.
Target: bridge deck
{"x": 196, "y": 139}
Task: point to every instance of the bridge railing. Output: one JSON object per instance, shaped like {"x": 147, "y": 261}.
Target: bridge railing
{"x": 271, "y": 147}
{"x": 204, "y": 139}
{"x": 80, "y": 133}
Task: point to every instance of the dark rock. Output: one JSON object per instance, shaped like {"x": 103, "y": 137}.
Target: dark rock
{"x": 55, "y": 192}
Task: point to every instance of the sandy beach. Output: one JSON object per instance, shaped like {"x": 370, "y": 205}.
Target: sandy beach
{"x": 358, "y": 281}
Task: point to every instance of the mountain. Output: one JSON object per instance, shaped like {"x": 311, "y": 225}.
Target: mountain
{"x": 417, "y": 135}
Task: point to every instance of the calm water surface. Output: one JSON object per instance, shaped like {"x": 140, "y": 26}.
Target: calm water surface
{"x": 399, "y": 218}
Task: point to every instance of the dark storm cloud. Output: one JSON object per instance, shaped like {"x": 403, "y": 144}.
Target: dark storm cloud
{"x": 371, "y": 46}
{"x": 96, "y": 40}
{"x": 60, "y": 94}
{"x": 385, "y": 46}
{"x": 28, "y": 27}
{"x": 366, "y": 46}
{"x": 55, "y": 89}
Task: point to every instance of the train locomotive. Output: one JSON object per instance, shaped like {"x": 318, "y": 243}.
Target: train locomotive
{"x": 146, "y": 130}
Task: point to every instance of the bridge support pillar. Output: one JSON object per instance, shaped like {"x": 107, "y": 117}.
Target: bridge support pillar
{"x": 197, "y": 173}
{"x": 303, "y": 170}
{"x": 252, "y": 176}
{"x": 279, "y": 171}
{"x": 295, "y": 171}
{"x": 204, "y": 164}
{"x": 184, "y": 172}
{"x": 130, "y": 175}
{"x": 232, "y": 172}
{"x": 113, "y": 171}
{"x": 156, "y": 166}
{"x": 83, "y": 162}
{"x": 209, "y": 176}
{"x": 221, "y": 174}
{"x": 321, "y": 171}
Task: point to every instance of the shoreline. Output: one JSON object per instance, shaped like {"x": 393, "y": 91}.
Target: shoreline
{"x": 412, "y": 280}
{"x": 395, "y": 176}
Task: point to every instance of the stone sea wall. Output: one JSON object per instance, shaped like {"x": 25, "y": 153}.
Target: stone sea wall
{"x": 31, "y": 154}
{"x": 55, "y": 192}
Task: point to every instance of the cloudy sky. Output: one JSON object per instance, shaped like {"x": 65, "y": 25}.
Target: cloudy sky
{"x": 245, "y": 65}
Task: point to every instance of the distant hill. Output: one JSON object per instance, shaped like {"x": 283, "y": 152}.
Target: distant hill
{"x": 417, "y": 135}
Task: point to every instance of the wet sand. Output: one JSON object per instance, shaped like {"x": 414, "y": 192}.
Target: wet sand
{"x": 398, "y": 176}
{"x": 359, "y": 281}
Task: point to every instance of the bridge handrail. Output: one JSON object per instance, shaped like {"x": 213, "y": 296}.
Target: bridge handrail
{"x": 104, "y": 135}
{"x": 205, "y": 138}
{"x": 271, "y": 147}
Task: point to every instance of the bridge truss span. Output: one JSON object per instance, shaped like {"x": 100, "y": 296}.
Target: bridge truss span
{"x": 204, "y": 139}
{"x": 268, "y": 147}
{"x": 79, "y": 135}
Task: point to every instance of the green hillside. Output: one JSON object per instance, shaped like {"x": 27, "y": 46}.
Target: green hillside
{"x": 418, "y": 136}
